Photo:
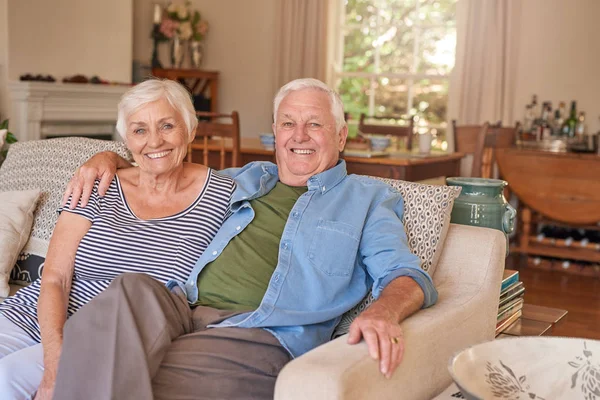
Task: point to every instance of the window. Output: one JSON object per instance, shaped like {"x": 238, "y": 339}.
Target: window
{"x": 394, "y": 58}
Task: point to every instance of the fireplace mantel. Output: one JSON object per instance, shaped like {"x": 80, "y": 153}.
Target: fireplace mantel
{"x": 42, "y": 109}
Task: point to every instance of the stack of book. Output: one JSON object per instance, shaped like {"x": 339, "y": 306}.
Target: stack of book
{"x": 511, "y": 300}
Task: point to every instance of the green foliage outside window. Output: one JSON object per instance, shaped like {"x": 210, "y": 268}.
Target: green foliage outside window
{"x": 380, "y": 37}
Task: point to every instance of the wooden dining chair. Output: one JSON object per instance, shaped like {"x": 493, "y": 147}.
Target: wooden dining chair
{"x": 470, "y": 139}
{"x": 481, "y": 141}
{"x": 497, "y": 137}
{"x": 213, "y": 134}
{"x": 404, "y": 131}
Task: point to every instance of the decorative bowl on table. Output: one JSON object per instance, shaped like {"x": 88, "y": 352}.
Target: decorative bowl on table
{"x": 358, "y": 142}
{"x": 379, "y": 143}
{"x": 267, "y": 140}
{"x": 542, "y": 368}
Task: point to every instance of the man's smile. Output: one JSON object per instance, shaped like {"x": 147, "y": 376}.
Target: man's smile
{"x": 302, "y": 151}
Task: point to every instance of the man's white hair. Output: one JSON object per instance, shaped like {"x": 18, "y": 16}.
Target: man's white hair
{"x": 153, "y": 90}
{"x": 337, "y": 108}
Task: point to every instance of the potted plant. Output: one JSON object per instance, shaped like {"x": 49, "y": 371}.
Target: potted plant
{"x": 6, "y": 138}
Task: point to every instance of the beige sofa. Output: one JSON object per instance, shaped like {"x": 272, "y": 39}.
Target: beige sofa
{"x": 468, "y": 278}
{"x": 467, "y": 272}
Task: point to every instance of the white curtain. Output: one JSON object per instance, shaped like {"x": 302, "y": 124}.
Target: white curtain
{"x": 484, "y": 78}
{"x": 301, "y": 40}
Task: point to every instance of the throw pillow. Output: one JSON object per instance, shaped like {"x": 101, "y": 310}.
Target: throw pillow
{"x": 426, "y": 219}
{"x": 16, "y": 218}
{"x": 47, "y": 165}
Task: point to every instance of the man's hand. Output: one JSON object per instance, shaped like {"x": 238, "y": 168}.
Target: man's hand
{"x": 379, "y": 324}
{"x": 381, "y": 331}
{"x": 102, "y": 166}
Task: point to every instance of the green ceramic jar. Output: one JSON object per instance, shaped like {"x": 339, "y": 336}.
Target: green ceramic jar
{"x": 482, "y": 203}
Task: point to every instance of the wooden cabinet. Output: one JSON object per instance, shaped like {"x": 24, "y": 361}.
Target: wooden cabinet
{"x": 557, "y": 189}
{"x": 197, "y": 81}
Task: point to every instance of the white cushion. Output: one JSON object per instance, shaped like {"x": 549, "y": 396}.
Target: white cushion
{"x": 16, "y": 219}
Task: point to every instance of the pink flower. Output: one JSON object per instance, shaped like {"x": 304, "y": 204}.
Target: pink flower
{"x": 203, "y": 27}
{"x": 168, "y": 27}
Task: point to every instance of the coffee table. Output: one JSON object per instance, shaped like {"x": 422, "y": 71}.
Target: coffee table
{"x": 535, "y": 321}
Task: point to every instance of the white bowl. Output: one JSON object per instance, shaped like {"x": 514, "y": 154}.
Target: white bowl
{"x": 379, "y": 142}
{"x": 529, "y": 368}
{"x": 267, "y": 140}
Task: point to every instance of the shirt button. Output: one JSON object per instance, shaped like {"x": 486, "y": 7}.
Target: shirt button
{"x": 237, "y": 228}
{"x": 295, "y": 214}
{"x": 286, "y": 245}
{"x": 276, "y": 278}
{"x": 324, "y": 188}
{"x": 214, "y": 253}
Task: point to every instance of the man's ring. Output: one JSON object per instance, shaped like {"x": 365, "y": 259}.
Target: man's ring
{"x": 394, "y": 340}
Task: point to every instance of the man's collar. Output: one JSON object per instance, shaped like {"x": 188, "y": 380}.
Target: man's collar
{"x": 270, "y": 168}
{"x": 326, "y": 180}
{"x": 322, "y": 182}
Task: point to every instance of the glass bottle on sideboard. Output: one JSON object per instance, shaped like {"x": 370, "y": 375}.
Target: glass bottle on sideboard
{"x": 570, "y": 125}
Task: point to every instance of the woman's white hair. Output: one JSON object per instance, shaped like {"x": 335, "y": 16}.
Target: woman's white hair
{"x": 337, "y": 108}
{"x": 152, "y": 90}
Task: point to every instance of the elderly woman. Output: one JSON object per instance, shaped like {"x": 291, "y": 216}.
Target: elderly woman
{"x": 156, "y": 218}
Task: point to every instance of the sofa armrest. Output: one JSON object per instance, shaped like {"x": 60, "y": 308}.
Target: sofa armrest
{"x": 468, "y": 280}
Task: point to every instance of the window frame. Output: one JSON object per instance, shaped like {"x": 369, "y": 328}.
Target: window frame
{"x": 412, "y": 77}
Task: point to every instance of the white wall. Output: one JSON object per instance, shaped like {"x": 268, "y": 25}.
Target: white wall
{"x": 63, "y": 38}
{"x": 239, "y": 44}
{"x": 67, "y": 37}
{"x": 559, "y": 56}
{"x": 3, "y": 58}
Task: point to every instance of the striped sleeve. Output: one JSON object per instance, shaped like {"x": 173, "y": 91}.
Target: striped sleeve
{"x": 90, "y": 210}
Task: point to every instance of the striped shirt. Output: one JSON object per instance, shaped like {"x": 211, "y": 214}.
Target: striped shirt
{"x": 119, "y": 242}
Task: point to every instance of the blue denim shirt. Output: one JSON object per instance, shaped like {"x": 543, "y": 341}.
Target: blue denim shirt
{"x": 343, "y": 237}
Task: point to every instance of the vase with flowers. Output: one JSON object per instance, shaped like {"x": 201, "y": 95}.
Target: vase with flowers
{"x": 181, "y": 25}
{"x": 200, "y": 29}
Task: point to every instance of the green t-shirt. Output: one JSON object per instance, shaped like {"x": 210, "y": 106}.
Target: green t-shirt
{"x": 239, "y": 277}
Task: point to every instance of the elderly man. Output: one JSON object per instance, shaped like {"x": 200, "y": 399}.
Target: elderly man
{"x": 305, "y": 242}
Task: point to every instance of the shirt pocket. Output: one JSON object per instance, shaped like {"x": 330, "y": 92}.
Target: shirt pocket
{"x": 333, "y": 248}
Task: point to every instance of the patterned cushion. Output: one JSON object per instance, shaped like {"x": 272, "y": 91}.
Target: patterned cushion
{"x": 27, "y": 269}
{"x": 46, "y": 165}
{"x": 426, "y": 219}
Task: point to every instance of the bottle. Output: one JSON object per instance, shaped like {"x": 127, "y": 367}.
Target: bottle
{"x": 580, "y": 127}
{"x": 535, "y": 113}
{"x": 557, "y": 123}
{"x": 527, "y": 120}
{"x": 545, "y": 127}
{"x": 559, "y": 118}
{"x": 568, "y": 128}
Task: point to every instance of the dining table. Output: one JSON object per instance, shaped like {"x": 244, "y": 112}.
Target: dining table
{"x": 395, "y": 164}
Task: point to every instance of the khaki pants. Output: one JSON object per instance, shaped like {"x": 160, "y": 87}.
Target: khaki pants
{"x": 137, "y": 340}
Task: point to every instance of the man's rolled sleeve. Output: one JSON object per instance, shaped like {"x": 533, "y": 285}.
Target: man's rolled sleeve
{"x": 418, "y": 275}
{"x": 385, "y": 248}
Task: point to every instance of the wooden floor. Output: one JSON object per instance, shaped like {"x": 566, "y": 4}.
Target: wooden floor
{"x": 579, "y": 295}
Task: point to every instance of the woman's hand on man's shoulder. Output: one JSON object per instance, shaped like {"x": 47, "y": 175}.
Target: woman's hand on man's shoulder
{"x": 102, "y": 166}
